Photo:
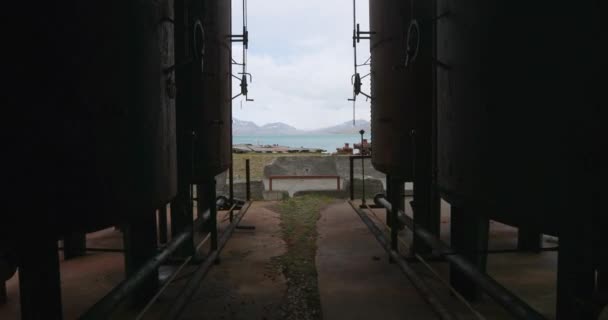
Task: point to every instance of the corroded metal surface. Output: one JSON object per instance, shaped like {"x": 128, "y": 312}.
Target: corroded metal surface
{"x": 392, "y": 114}
{"x": 98, "y": 137}
{"x": 213, "y": 121}
{"x": 401, "y": 78}
{"x": 515, "y": 110}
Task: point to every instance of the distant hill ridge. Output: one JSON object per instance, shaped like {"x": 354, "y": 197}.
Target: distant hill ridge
{"x": 246, "y": 128}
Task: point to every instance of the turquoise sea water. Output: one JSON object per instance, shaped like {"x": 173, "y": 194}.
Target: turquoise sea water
{"x": 328, "y": 142}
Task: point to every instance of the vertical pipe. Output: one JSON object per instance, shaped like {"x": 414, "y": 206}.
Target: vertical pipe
{"x": 602, "y": 282}
{"x": 388, "y": 196}
{"x": 3, "y": 293}
{"x": 39, "y": 280}
{"x": 185, "y": 101}
{"x": 140, "y": 243}
{"x": 248, "y": 180}
{"x": 601, "y": 245}
{"x": 162, "y": 224}
{"x": 435, "y": 205}
{"x": 352, "y": 178}
{"x": 74, "y": 245}
{"x": 181, "y": 218}
{"x": 575, "y": 272}
{"x": 422, "y": 192}
{"x": 469, "y": 238}
{"x": 528, "y": 239}
{"x": 231, "y": 188}
{"x": 213, "y": 210}
{"x": 602, "y": 267}
{"x": 362, "y": 180}
{"x": 577, "y": 258}
{"x": 231, "y": 183}
{"x": 426, "y": 212}
{"x": 396, "y": 184}
{"x": 202, "y": 200}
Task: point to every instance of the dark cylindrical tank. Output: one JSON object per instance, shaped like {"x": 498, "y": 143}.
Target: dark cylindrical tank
{"x": 212, "y": 120}
{"x": 515, "y": 108}
{"x": 393, "y": 111}
{"x": 95, "y": 143}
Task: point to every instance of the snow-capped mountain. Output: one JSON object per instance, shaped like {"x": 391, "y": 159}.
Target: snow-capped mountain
{"x": 244, "y": 128}
{"x": 345, "y": 127}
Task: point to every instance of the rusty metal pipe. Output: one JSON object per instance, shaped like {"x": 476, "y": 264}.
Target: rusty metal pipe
{"x": 107, "y": 304}
{"x": 509, "y": 301}
{"x": 441, "y": 311}
{"x": 248, "y": 181}
{"x": 186, "y": 295}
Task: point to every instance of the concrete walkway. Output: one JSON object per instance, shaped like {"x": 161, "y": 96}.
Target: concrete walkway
{"x": 355, "y": 279}
{"x": 246, "y": 284}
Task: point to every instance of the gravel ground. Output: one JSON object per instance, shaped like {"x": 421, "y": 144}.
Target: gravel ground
{"x": 298, "y": 222}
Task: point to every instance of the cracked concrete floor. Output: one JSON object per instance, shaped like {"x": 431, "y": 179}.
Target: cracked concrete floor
{"x": 355, "y": 279}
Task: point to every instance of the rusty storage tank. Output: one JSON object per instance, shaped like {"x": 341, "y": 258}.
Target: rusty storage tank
{"x": 515, "y": 109}
{"x": 392, "y": 111}
{"x": 213, "y": 118}
{"x": 96, "y": 139}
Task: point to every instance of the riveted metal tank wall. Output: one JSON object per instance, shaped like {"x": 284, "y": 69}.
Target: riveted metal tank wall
{"x": 97, "y": 144}
{"x": 393, "y": 116}
{"x": 513, "y": 107}
{"x": 213, "y": 120}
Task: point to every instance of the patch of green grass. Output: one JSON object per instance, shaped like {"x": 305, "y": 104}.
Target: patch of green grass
{"x": 299, "y": 229}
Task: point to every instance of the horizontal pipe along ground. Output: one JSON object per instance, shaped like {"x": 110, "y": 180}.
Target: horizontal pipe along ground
{"x": 188, "y": 292}
{"x": 509, "y": 301}
{"x": 104, "y": 307}
{"x": 441, "y": 311}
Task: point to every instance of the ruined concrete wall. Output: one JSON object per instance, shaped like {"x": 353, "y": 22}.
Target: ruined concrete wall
{"x": 257, "y": 190}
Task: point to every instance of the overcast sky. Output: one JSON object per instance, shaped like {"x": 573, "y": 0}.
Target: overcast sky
{"x": 301, "y": 58}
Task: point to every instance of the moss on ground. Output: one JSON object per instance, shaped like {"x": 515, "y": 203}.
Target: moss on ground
{"x": 299, "y": 230}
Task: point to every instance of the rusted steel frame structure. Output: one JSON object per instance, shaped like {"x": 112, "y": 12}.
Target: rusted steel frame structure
{"x": 429, "y": 297}
{"x": 337, "y": 178}
{"x": 510, "y": 302}
{"x": 188, "y": 292}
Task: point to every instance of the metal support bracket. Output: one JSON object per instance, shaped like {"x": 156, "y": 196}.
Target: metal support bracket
{"x": 359, "y": 35}
{"x": 244, "y": 38}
